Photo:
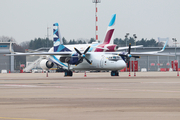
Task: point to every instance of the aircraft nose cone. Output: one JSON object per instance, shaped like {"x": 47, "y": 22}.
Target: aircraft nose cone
{"x": 122, "y": 64}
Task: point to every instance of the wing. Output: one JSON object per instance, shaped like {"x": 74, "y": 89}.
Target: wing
{"x": 123, "y": 48}
{"x": 40, "y": 53}
{"x": 152, "y": 53}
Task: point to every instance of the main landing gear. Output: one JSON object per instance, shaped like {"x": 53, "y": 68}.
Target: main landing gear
{"x": 68, "y": 73}
{"x": 115, "y": 73}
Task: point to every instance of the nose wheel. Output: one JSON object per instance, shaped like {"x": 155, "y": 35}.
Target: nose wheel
{"x": 115, "y": 73}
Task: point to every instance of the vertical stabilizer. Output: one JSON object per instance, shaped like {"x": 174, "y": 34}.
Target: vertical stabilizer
{"x": 110, "y": 30}
{"x": 58, "y": 43}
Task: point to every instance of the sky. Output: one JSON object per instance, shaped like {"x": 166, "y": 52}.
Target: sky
{"x": 25, "y": 20}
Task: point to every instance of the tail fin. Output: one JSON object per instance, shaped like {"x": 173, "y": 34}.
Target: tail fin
{"x": 58, "y": 43}
{"x": 110, "y": 30}
{"x": 164, "y": 46}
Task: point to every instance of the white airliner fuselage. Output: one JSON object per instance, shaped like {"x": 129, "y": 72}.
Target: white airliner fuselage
{"x": 100, "y": 61}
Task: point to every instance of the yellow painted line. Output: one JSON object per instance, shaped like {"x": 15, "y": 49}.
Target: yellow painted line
{"x": 9, "y": 118}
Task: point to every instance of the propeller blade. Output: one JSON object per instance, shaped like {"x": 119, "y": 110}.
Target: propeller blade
{"x": 88, "y": 61}
{"x": 78, "y": 51}
{"x": 79, "y": 61}
{"x": 127, "y": 60}
{"x": 136, "y": 56}
{"x": 122, "y": 55}
{"x": 129, "y": 50}
{"x": 82, "y": 56}
{"x": 86, "y": 50}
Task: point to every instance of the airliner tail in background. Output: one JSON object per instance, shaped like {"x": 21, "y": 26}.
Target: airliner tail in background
{"x": 110, "y": 30}
{"x": 58, "y": 43}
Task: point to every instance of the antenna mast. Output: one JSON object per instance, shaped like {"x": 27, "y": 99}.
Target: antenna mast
{"x": 96, "y": 18}
{"x": 48, "y": 35}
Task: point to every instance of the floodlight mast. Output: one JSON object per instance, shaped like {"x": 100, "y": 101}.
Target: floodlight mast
{"x": 174, "y": 40}
{"x": 96, "y": 18}
{"x": 134, "y": 35}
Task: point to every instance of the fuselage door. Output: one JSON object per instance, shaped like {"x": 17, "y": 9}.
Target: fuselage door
{"x": 102, "y": 62}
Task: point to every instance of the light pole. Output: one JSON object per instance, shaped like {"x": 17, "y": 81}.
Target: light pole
{"x": 134, "y": 35}
{"x": 174, "y": 40}
{"x": 126, "y": 37}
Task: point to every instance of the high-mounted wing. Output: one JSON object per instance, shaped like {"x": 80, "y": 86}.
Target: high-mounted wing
{"x": 40, "y": 53}
{"x": 152, "y": 53}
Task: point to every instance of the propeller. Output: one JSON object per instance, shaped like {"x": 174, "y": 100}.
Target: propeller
{"x": 128, "y": 55}
{"x": 82, "y": 55}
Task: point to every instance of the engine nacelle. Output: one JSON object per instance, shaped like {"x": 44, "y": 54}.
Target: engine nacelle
{"x": 46, "y": 65}
{"x": 71, "y": 60}
{"x": 112, "y": 48}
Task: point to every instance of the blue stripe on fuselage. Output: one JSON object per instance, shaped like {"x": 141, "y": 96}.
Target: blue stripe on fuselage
{"x": 92, "y": 46}
{"x": 57, "y": 61}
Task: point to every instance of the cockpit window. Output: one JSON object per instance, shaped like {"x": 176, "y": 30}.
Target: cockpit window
{"x": 115, "y": 58}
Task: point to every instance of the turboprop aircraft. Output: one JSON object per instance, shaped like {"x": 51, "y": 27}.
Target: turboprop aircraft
{"x": 98, "y": 56}
{"x": 80, "y": 61}
{"x": 69, "y": 60}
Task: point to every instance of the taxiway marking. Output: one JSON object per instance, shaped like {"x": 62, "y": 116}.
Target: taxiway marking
{"x": 9, "y": 118}
{"x": 72, "y": 87}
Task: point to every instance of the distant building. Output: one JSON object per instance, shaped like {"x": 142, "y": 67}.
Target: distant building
{"x": 155, "y": 63}
{"x": 6, "y": 62}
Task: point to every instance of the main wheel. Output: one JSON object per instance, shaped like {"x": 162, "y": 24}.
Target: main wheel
{"x": 117, "y": 73}
{"x": 68, "y": 73}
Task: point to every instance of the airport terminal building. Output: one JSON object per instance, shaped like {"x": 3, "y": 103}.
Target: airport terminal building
{"x": 155, "y": 63}
{"x": 7, "y": 62}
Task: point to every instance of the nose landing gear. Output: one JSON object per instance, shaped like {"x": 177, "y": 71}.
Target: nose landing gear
{"x": 115, "y": 73}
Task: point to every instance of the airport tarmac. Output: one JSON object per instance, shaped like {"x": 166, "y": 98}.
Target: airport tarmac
{"x": 33, "y": 96}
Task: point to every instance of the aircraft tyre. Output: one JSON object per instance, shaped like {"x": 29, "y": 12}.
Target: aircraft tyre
{"x": 68, "y": 73}
{"x": 114, "y": 73}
